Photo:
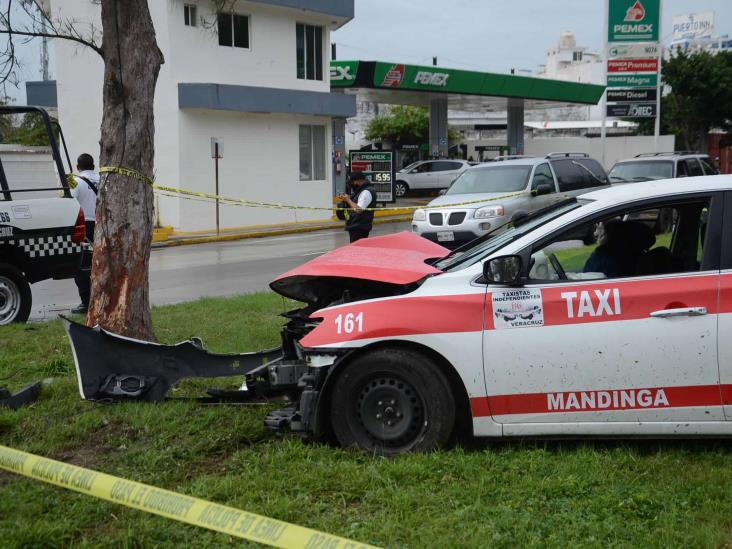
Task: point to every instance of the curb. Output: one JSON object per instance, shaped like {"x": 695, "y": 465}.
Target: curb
{"x": 262, "y": 234}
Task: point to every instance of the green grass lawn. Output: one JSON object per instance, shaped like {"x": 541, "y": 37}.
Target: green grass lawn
{"x": 504, "y": 494}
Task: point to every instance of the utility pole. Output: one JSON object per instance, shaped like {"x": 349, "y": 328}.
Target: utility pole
{"x": 659, "y": 88}
{"x": 217, "y": 151}
{"x": 603, "y": 103}
{"x": 44, "y": 39}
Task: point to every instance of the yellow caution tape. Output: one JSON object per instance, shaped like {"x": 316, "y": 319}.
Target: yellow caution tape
{"x": 127, "y": 172}
{"x": 165, "y": 503}
{"x": 172, "y": 191}
{"x": 276, "y": 205}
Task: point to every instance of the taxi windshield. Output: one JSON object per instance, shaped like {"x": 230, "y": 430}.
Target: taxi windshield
{"x": 642, "y": 171}
{"x": 492, "y": 179}
{"x": 482, "y": 247}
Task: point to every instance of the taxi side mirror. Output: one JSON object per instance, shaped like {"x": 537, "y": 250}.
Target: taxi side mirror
{"x": 505, "y": 270}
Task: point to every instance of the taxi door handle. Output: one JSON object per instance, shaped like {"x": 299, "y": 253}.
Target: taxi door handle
{"x": 688, "y": 311}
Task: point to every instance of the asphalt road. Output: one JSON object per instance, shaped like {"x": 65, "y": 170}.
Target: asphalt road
{"x": 185, "y": 273}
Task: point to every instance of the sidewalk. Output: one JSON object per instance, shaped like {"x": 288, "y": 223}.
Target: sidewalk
{"x": 166, "y": 237}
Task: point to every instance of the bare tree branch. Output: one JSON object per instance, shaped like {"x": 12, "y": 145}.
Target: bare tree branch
{"x": 34, "y": 34}
{"x": 37, "y": 23}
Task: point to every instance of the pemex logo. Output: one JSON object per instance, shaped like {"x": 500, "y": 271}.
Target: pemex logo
{"x": 636, "y": 12}
{"x": 394, "y": 76}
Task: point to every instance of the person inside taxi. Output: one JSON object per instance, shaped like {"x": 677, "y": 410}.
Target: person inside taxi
{"x": 621, "y": 244}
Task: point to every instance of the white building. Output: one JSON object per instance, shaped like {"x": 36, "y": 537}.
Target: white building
{"x": 568, "y": 61}
{"x": 257, "y": 78}
{"x": 695, "y": 32}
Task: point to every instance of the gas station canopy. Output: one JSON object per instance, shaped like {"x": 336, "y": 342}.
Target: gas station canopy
{"x": 442, "y": 89}
{"x": 398, "y": 83}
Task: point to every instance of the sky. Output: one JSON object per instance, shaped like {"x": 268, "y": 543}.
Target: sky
{"x": 487, "y": 35}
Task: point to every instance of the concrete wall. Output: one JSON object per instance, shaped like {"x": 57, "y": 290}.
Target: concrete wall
{"x": 261, "y": 163}
{"x": 616, "y": 149}
{"x": 29, "y": 168}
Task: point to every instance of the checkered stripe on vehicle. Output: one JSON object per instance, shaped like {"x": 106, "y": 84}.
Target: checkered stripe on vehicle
{"x": 46, "y": 246}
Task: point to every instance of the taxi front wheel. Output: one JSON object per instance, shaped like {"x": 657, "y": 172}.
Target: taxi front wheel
{"x": 392, "y": 401}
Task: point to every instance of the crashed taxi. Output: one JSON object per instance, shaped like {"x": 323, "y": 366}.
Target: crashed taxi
{"x": 402, "y": 345}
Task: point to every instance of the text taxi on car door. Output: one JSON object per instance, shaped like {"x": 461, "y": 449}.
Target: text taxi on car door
{"x": 526, "y": 331}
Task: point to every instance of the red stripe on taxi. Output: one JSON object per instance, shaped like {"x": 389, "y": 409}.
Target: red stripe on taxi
{"x": 561, "y": 304}
{"x": 395, "y": 317}
{"x": 601, "y": 400}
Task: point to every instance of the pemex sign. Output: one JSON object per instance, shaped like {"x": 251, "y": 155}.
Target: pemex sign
{"x": 633, "y": 20}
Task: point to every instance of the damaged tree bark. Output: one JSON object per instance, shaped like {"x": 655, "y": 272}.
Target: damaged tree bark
{"x": 120, "y": 300}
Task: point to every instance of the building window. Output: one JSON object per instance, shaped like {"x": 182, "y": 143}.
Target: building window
{"x": 309, "y": 45}
{"x": 577, "y": 56}
{"x": 312, "y": 153}
{"x": 233, "y": 30}
{"x": 189, "y": 15}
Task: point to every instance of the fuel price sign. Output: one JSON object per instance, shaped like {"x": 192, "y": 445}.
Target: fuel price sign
{"x": 378, "y": 166}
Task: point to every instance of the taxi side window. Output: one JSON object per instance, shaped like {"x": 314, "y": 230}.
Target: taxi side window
{"x": 653, "y": 241}
{"x": 543, "y": 175}
{"x": 424, "y": 168}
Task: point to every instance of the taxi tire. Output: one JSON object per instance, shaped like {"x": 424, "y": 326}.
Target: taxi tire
{"x": 20, "y": 288}
{"x": 404, "y": 381}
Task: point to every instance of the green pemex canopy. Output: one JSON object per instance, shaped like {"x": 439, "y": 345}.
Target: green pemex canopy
{"x": 466, "y": 90}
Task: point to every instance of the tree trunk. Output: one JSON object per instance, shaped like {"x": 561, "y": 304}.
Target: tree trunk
{"x": 120, "y": 299}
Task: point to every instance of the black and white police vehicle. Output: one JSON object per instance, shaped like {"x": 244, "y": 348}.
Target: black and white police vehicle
{"x": 42, "y": 230}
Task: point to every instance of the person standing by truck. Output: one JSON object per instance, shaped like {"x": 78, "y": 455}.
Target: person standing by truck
{"x": 85, "y": 192}
{"x": 360, "y": 219}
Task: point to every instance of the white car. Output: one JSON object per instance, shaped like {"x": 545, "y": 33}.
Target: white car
{"x": 401, "y": 345}
{"x": 662, "y": 165}
{"x": 486, "y": 196}
{"x": 428, "y": 175}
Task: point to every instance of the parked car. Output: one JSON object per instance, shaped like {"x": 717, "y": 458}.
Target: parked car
{"x": 662, "y": 165}
{"x": 428, "y": 175}
{"x": 532, "y": 184}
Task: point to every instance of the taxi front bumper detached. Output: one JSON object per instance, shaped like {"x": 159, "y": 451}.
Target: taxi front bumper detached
{"x": 111, "y": 367}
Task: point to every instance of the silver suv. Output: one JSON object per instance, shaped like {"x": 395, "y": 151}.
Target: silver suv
{"x": 428, "y": 175}
{"x": 535, "y": 183}
{"x": 661, "y": 165}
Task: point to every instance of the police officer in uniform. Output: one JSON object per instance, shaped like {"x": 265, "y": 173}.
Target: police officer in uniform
{"x": 85, "y": 190}
{"x": 360, "y": 218}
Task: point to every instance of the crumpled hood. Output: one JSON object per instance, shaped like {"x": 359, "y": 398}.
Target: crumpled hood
{"x": 392, "y": 259}
{"x": 447, "y": 199}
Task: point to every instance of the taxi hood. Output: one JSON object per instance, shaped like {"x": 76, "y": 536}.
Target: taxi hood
{"x": 371, "y": 267}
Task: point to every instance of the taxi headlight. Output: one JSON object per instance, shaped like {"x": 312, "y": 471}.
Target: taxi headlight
{"x": 420, "y": 215}
{"x": 489, "y": 211}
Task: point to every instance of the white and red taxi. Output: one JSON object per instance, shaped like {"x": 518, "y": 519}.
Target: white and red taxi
{"x": 525, "y": 332}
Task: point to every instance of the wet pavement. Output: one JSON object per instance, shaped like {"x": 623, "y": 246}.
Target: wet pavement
{"x": 215, "y": 269}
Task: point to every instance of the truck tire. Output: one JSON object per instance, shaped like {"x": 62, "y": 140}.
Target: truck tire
{"x": 15, "y": 295}
{"x": 392, "y": 401}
